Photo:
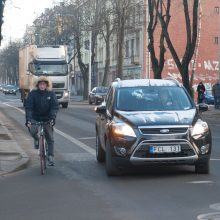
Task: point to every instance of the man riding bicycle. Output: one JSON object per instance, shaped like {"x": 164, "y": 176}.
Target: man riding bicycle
{"x": 42, "y": 105}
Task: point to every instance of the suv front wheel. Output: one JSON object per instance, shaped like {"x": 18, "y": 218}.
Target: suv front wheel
{"x": 100, "y": 153}
{"x": 111, "y": 169}
{"x": 202, "y": 167}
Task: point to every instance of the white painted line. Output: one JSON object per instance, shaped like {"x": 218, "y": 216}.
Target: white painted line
{"x": 20, "y": 110}
{"x": 75, "y": 141}
{"x": 201, "y": 182}
{"x": 209, "y": 216}
{"x": 215, "y": 206}
{"x": 86, "y": 138}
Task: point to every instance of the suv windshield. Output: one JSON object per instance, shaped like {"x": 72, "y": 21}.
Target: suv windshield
{"x": 152, "y": 98}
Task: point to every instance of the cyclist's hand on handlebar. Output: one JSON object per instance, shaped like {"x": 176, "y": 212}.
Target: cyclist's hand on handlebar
{"x": 52, "y": 122}
{"x": 28, "y": 124}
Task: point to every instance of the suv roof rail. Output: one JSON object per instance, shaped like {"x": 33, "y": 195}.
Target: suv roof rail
{"x": 174, "y": 80}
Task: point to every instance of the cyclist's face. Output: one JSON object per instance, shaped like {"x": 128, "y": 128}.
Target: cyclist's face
{"x": 42, "y": 86}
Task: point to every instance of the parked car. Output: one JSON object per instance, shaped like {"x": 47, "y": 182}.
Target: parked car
{"x": 97, "y": 95}
{"x": 1, "y": 87}
{"x": 10, "y": 89}
{"x": 209, "y": 98}
{"x": 135, "y": 126}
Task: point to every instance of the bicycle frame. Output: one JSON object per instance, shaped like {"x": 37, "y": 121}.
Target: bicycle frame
{"x": 42, "y": 145}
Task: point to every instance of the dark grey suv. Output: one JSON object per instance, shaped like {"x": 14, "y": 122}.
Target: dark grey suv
{"x": 151, "y": 122}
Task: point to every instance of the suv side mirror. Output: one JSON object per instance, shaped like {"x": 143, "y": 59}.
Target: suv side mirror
{"x": 100, "y": 109}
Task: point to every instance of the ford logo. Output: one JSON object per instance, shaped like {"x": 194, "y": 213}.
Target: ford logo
{"x": 164, "y": 131}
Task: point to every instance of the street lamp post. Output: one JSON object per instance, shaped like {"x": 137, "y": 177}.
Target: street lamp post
{"x": 90, "y": 62}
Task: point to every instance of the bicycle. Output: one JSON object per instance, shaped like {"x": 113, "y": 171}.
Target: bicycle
{"x": 43, "y": 149}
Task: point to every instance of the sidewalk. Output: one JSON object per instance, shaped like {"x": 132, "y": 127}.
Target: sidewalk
{"x": 12, "y": 157}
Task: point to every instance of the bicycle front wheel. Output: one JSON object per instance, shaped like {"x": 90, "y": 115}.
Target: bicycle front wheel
{"x": 42, "y": 155}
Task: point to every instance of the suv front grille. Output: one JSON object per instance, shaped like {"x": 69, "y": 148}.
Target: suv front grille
{"x": 170, "y": 130}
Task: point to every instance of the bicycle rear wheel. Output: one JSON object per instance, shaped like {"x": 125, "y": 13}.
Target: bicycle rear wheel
{"x": 43, "y": 164}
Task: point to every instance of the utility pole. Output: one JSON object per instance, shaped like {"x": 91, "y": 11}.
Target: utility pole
{"x": 90, "y": 62}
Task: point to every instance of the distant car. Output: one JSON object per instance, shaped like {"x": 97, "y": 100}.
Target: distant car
{"x": 209, "y": 98}
{"x": 97, "y": 95}
{"x": 152, "y": 121}
{"x": 10, "y": 89}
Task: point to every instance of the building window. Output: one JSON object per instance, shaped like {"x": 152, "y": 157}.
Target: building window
{"x": 216, "y": 40}
{"x": 132, "y": 47}
{"x": 127, "y": 48}
{"x": 137, "y": 44}
{"x": 216, "y": 10}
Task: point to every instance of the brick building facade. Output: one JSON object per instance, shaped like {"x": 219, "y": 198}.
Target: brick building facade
{"x": 207, "y": 61}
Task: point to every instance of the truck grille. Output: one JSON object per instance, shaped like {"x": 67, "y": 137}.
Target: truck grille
{"x": 59, "y": 95}
{"x": 58, "y": 85}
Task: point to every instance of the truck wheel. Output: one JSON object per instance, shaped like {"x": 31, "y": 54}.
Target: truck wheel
{"x": 111, "y": 169}
{"x": 100, "y": 153}
{"x": 202, "y": 167}
{"x": 65, "y": 105}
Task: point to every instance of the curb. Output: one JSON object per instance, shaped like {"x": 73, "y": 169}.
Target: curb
{"x": 12, "y": 156}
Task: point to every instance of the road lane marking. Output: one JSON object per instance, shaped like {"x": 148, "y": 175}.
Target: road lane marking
{"x": 215, "y": 206}
{"x": 209, "y": 216}
{"x": 20, "y": 110}
{"x": 75, "y": 141}
{"x": 201, "y": 182}
{"x": 86, "y": 138}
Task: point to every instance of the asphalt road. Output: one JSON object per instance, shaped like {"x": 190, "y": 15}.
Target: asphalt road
{"x": 78, "y": 188}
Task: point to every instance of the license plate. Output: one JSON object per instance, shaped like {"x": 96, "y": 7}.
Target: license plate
{"x": 165, "y": 149}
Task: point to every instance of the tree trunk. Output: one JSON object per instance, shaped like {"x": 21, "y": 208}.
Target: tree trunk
{"x": 107, "y": 61}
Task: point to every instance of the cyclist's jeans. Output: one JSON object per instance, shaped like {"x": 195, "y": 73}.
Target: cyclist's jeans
{"x": 34, "y": 131}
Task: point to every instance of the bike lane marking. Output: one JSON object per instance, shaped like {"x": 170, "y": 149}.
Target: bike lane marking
{"x": 68, "y": 137}
{"x": 74, "y": 140}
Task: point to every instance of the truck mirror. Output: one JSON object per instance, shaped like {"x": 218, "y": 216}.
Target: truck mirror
{"x": 30, "y": 68}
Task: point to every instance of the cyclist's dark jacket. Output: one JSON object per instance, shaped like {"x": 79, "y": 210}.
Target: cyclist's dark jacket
{"x": 41, "y": 105}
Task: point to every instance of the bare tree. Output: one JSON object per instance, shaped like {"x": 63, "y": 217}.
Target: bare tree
{"x": 9, "y": 63}
{"x": 191, "y": 37}
{"x": 106, "y": 31}
{"x": 122, "y": 9}
{"x": 157, "y": 63}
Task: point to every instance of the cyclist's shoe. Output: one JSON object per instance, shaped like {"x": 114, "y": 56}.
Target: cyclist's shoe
{"x": 36, "y": 144}
{"x": 50, "y": 161}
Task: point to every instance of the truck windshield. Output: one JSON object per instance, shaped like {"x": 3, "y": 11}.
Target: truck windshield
{"x": 50, "y": 69}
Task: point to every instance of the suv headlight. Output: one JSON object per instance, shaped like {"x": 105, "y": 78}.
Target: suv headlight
{"x": 199, "y": 129}
{"x": 123, "y": 130}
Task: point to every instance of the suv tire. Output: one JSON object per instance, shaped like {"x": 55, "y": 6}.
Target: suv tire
{"x": 90, "y": 102}
{"x": 202, "y": 167}
{"x": 111, "y": 169}
{"x": 100, "y": 153}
